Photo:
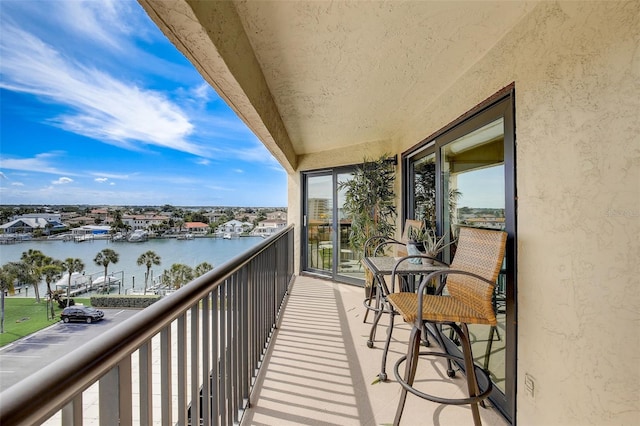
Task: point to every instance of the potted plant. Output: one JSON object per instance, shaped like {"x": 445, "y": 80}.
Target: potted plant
{"x": 425, "y": 241}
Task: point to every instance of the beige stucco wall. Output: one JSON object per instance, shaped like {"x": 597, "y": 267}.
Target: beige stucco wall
{"x": 576, "y": 68}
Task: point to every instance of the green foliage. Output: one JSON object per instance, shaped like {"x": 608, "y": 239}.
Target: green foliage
{"x": 370, "y": 201}
{"x": 23, "y": 316}
{"x": 30, "y": 269}
{"x": 202, "y": 269}
{"x": 431, "y": 243}
{"x": 178, "y": 275}
{"x": 148, "y": 258}
{"x": 72, "y": 265}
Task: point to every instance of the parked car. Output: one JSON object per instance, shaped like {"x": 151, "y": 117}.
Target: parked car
{"x": 81, "y": 313}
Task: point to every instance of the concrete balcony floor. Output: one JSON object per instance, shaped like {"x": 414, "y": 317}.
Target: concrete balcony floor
{"x": 319, "y": 370}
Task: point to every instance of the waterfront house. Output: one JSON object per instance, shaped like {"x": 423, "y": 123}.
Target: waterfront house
{"x": 144, "y": 221}
{"x": 268, "y": 227}
{"x": 235, "y": 227}
{"x": 26, "y": 224}
{"x": 196, "y": 228}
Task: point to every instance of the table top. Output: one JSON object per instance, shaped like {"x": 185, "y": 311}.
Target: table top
{"x": 383, "y": 265}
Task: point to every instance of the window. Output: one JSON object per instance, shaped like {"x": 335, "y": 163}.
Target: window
{"x": 464, "y": 175}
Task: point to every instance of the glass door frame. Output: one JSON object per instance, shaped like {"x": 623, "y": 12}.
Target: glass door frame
{"x": 500, "y": 105}
{"x": 334, "y": 273}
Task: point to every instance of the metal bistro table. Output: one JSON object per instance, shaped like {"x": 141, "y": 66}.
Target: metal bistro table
{"x": 381, "y": 266}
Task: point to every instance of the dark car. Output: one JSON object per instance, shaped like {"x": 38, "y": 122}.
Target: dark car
{"x": 81, "y": 313}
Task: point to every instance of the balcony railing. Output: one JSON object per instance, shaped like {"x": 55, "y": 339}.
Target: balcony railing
{"x": 196, "y": 351}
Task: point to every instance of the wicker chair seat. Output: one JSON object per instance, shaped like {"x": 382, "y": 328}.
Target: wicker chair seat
{"x": 437, "y": 309}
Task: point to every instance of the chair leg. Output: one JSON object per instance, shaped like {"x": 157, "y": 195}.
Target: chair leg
{"x": 366, "y": 311}
{"x": 383, "y": 369}
{"x": 410, "y": 369}
{"x": 376, "y": 319}
{"x": 487, "y": 352}
{"x": 472, "y": 381}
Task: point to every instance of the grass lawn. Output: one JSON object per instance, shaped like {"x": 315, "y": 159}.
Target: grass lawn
{"x": 23, "y": 316}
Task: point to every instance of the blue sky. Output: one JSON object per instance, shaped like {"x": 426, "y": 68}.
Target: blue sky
{"x": 98, "y": 107}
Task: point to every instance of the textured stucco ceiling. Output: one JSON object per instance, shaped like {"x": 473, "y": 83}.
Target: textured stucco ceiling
{"x": 334, "y": 73}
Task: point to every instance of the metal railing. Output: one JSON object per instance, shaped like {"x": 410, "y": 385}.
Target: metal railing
{"x": 195, "y": 351}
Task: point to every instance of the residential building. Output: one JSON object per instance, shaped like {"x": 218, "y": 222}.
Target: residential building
{"x": 268, "y": 227}
{"x": 143, "y": 222}
{"x": 531, "y": 107}
{"x": 26, "y": 224}
{"x": 277, "y": 214}
{"x": 235, "y": 227}
{"x": 196, "y": 228}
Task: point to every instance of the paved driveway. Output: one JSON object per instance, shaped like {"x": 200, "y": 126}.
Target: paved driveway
{"x": 26, "y": 356}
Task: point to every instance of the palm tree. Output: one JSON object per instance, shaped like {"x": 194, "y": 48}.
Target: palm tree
{"x": 7, "y": 277}
{"x": 179, "y": 275}
{"x": 72, "y": 265}
{"x": 52, "y": 271}
{"x": 31, "y": 273}
{"x": 104, "y": 258}
{"x": 25, "y": 273}
{"x": 203, "y": 268}
{"x": 148, "y": 259}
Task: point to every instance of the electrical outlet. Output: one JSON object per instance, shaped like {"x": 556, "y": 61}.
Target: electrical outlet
{"x": 529, "y": 385}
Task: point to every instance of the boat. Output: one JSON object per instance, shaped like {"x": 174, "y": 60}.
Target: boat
{"x": 77, "y": 280}
{"x": 118, "y": 236}
{"x": 111, "y": 282}
{"x": 137, "y": 236}
{"x": 185, "y": 237}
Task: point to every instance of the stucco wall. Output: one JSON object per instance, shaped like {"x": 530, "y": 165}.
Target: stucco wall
{"x": 577, "y": 79}
{"x": 576, "y": 68}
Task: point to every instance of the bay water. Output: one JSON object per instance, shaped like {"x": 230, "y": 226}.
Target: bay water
{"x": 214, "y": 251}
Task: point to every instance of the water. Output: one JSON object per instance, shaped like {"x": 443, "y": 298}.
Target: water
{"x": 215, "y": 251}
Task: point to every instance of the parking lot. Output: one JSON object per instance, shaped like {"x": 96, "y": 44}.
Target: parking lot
{"x": 35, "y": 352}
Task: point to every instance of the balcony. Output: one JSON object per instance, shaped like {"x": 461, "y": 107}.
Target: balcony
{"x": 320, "y": 371}
{"x": 290, "y": 351}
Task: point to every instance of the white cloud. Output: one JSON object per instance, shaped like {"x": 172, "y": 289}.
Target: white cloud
{"x": 17, "y": 184}
{"x": 3, "y": 176}
{"x": 238, "y": 170}
{"x": 102, "y": 107}
{"x": 103, "y": 175}
{"x": 100, "y": 180}
{"x": 39, "y": 163}
{"x": 62, "y": 181}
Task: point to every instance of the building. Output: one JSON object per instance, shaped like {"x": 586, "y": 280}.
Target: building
{"x": 143, "y": 222}
{"x": 268, "y": 227}
{"x": 26, "y": 224}
{"x": 545, "y": 94}
{"x": 196, "y": 228}
{"x": 277, "y": 214}
{"x": 235, "y": 227}
{"x": 530, "y": 105}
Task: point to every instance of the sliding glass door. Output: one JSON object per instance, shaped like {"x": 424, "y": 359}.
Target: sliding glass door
{"x": 465, "y": 176}
{"x": 326, "y": 228}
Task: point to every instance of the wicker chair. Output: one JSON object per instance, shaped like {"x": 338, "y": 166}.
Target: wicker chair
{"x": 469, "y": 282}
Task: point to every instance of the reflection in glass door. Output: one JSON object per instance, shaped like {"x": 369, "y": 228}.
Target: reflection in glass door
{"x": 319, "y": 223}
{"x": 465, "y": 176}
{"x": 348, "y": 265}
{"x": 327, "y": 228}
{"x": 473, "y": 179}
